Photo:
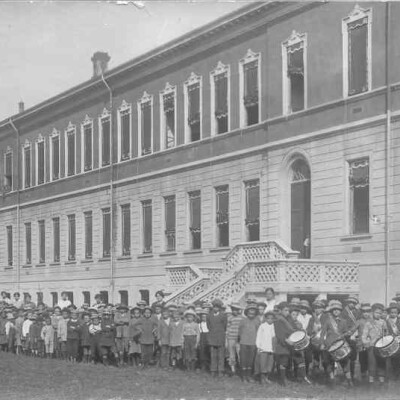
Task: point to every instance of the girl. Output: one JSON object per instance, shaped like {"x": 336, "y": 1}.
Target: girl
{"x": 191, "y": 336}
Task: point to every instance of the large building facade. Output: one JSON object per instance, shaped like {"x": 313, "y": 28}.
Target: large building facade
{"x": 260, "y": 150}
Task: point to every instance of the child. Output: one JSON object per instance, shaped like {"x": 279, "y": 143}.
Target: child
{"x": 121, "y": 320}
{"x": 191, "y": 336}
{"x": 373, "y": 330}
{"x": 164, "y": 338}
{"x": 85, "y": 337}
{"x": 362, "y": 350}
{"x": 25, "y": 333}
{"x": 19, "y": 321}
{"x": 314, "y": 331}
{"x": 62, "y": 329}
{"x": 55, "y": 318}
{"x": 265, "y": 343}
{"x": 47, "y": 335}
{"x": 73, "y": 332}
{"x": 157, "y": 315}
{"x": 176, "y": 339}
{"x": 232, "y": 330}
{"x": 149, "y": 333}
{"x": 135, "y": 331}
{"x": 217, "y": 323}
{"x": 261, "y": 306}
{"x": 204, "y": 350}
{"x": 304, "y": 318}
{"x": 107, "y": 337}
{"x": 247, "y": 335}
{"x": 10, "y": 331}
{"x": 95, "y": 336}
{"x": 34, "y": 335}
{"x": 393, "y": 323}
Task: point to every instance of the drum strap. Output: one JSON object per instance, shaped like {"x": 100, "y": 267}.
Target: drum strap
{"x": 334, "y": 324}
{"x": 351, "y": 315}
{"x": 393, "y": 323}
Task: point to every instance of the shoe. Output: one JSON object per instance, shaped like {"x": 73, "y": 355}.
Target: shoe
{"x": 306, "y": 380}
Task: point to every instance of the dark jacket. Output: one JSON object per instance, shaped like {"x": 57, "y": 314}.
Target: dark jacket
{"x": 217, "y": 325}
{"x": 108, "y": 331}
{"x": 73, "y": 329}
{"x": 334, "y": 329}
{"x": 351, "y": 317}
{"x": 248, "y": 330}
{"x": 283, "y": 329}
{"x": 149, "y": 330}
{"x": 163, "y": 332}
{"x": 85, "y": 335}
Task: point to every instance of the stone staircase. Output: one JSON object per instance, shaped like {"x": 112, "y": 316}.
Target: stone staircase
{"x": 251, "y": 267}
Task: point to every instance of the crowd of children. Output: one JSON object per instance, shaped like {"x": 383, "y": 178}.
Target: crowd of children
{"x": 252, "y": 340}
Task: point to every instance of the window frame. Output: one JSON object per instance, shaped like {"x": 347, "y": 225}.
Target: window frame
{"x": 192, "y": 194}
{"x": 106, "y": 211}
{"x": 40, "y": 139}
{"x": 292, "y": 40}
{"x": 28, "y": 261}
{"x": 146, "y": 97}
{"x": 27, "y": 145}
{"x": 71, "y": 257}
{"x": 104, "y": 115}
{"x": 165, "y": 202}
{"x": 124, "y": 252}
{"x": 169, "y": 89}
{"x": 55, "y": 259}
{"x": 41, "y": 223}
{"x": 86, "y": 214}
{"x": 125, "y": 107}
{"x": 250, "y": 57}
{"x": 247, "y": 184}
{"x": 55, "y": 133}
{"x": 192, "y": 80}
{"x": 70, "y": 129}
{"x": 219, "y": 189}
{"x": 143, "y": 227}
{"x": 356, "y": 14}
{"x": 8, "y": 151}
{"x": 86, "y": 122}
{"x": 221, "y": 68}
{"x": 10, "y": 245}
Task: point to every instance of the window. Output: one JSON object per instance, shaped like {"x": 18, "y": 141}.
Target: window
{"x": 104, "y": 296}
{"x": 357, "y": 51}
{"x": 70, "y": 296}
{"x": 26, "y": 169}
{"x": 193, "y": 108}
{"x": 8, "y": 178}
{"x": 168, "y": 116}
{"x": 40, "y": 161}
{"x": 359, "y": 195}
{"x": 170, "y": 222}
{"x": 250, "y": 91}
{"x": 42, "y": 242}
{"x": 145, "y": 112}
{"x": 70, "y": 150}
{"x": 124, "y": 297}
{"x": 126, "y": 229}
{"x": 9, "y": 246}
{"x": 28, "y": 243}
{"x": 87, "y": 144}
{"x": 195, "y": 219}
{"x": 71, "y": 238}
{"x": 147, "y": 226}
{"x": 222, "y": 217}
{"x": 56, "y": 239}
{"x": 145, "y": 295}
{"x": 55, "y": 155}
{"x": 88, "y": 235}
{"x": 39, "y": 297}
{"x": 252, "y": 210}
{"x": 294, "y": 74}
{"x": 105, "y": 136}
{"x": 86, "y": 297}
{"x": 54, "y": 297}
{"x": 106, "y": 232}
{"x": 124, "y": 127}
{"x": 220, "y": 98}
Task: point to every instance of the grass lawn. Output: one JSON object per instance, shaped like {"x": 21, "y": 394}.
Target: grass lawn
{"x": 23, "y": 378}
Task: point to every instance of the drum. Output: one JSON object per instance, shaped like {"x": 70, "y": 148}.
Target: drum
{"x": 387, "y": 346}
{"x": 339, "y": 350}
{"x": 300, "y": 340}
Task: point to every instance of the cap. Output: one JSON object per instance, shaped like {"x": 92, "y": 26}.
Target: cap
{"x": 261, "y": 303}
{"x": 135, "y": 308}
{"x": 217, "y": 303}
{"x": 160, "y": 292}
{"x": 269, "y": 313}
{"x": 148, "y": 308}
{"x": 202, "y": 311}
{"x": 305, "y": 304}
{"x": 207, "y": 304}
{"x": 141, "y": 303}
{"x": 294, "y": 307}
{"x": 367, "y": 306}
{"x": 122, "y": 307}
{"x": 391, "y": 306}
{"x": 172, "y": 306}
{"x": 282, "y": 305}
{"x": 318, "y": 304}
{"x": 250, "y": 307}
{"x": 335, "y": 305}
{"x": 378, "y": 306}
{"x": 351, "y": 299}
{"x": 189, "y": 312}
{"x": 235, "y": 306}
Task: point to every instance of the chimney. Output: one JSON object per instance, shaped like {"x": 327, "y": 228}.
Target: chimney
{"x": 100, "y": 61}
{"x": 21, "y": 107}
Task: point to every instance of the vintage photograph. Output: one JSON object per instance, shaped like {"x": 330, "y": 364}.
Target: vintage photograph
{"x": 199, "y": 200}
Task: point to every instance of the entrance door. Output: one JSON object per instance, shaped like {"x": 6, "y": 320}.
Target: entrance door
{"x": 301, "y": 209}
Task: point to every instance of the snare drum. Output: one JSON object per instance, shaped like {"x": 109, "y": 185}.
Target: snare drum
{"x": 387, "y": 346}
{"x": 339, "y": 350}
{"x": 300, "y": 340}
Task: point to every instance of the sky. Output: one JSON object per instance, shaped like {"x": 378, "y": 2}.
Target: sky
{"x": 47, "y": 45}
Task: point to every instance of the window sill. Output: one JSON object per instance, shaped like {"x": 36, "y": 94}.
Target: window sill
{"x": 104, "y": 259}
{"x": 219, "y": 249}
{"x": 24, "y": 266}
{"x": 121, "y": 258}
{"x": 145, "y": 255}
{"x": 168, "y": 253}
{"x": 8, "y": 267}
{"x": 55, "y": 264}
{"x": 196, "y": 251}
{"x": 86, "y": 261}
{"x": 40, "y": 265}
{"x": 71, "y": 262}
{"x": 356, "y": 237}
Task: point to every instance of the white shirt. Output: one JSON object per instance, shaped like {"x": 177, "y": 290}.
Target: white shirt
{"x": 203, "y": 327}
{"x": 270, "y": 304}
{"x": 304, "y": 320}
{"x": 17, "y": 303}
{"x": 63, "y": 303}
{"x": 25, "y": 327}
{"x": 265, "y": 340}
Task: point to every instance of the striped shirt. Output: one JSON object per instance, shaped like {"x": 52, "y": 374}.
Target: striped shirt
{"x": 232, "y": 330}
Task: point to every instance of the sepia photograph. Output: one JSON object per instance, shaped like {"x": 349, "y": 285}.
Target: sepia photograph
{"x": 198, "y": 200}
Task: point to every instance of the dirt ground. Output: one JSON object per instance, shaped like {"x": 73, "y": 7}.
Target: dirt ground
{"x": 23, "y": 378}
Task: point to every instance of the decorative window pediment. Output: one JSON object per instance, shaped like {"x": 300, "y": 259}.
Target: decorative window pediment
{"x": 221, "y": 68}
{"x": 87, "y": 120}
{"x": 71, "y": 127}
{"x": 54, "y": 132}
{"x": 168, "y": 89}
{"x": 356, "y": 14}
{"x": 26, "y": 144}
{"x": 193, "y": 79}
{"x": 8, "y": 150}
{"x": 295, "y": 39}
{"x": 250, "y": 57}
{"x": 40, "y": 138}
{"x": 105, "y": 113}
{"x": 124, "y": 106}
{"x": 146, "y": 98}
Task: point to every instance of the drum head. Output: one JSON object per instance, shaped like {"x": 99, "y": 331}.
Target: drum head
{"x": 297, "y": 336}
{"x": 336, "y": 345}
{"x": 385, "y": 341}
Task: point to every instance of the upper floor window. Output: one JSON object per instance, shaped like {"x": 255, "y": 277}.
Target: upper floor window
{"x": 126, "y": 229}
{"x": 145, "y": 112}
{"x": 42, "y": 242}
{"x": 294, "y": 73}
{"x": 124, "y": 131}
{"x": 250, "y": 89}
{"x": 27, "y": 164}
{"x": 222, "y": 217}
{"x": 106, "y": 232}
{"x": 70, "y": 158}
{"x": 8, "y": 170}
{"x": 88, "y": 235}
{"x": 147, "y": 227}
{"x": 252, "y": 210}
{"x": 195, "y": 219}
{"x": 220, "y": 99}
{"x": 170, "y": 223}
{"x": 71, "y": 237}
{"x": 56, "y": 239}
{"x": 168, "y": 116}
{"x": 359, "y": 195}
{"x": 28, "y": 243}
{"x": 356, "y": 29}
{"x": 105, "y": 138}
{"x": 40, "y": 160}
{"x": 87, "y": 144}
{"x": 10, "y": 256}
{"x": 55, "y": 155}
{"x": 193, "y": 108}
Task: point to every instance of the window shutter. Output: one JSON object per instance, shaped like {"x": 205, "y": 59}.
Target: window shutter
{"x": 250, "y": 83}
{"x": 88, "y": 235}
{"x": 106, "y": 232}
{"x": 27, "y": 152}
{"x": 72, "y": 238}
{"x": 10, "y": 245}
{"x": 252, "y": 204}
{"x": 222, "y": 206}
{"x": 56, "y": 239}
{"x": 170, "y": 214}
{"x": 194, "y": 104}
{"x": 146, "y": 127}
{"x": 42, "y": 243}
{"x": 71, "y": 154}
{"x": 221, "y": 95}
{"x": 126, "y": 230}
{"x": 87, "y": 130}
{"x": 169, "y": 112}
{"x": 28, "y": 242}
{"x": 105, "y": 155}
{"x": 195, "y": 212}
{"x": 359, "y": 173}
{"x": 56, "y": 157}
{"x": 125, "y": 134}
{"x": 40, "y": 147}
{"x": 147, "y": 226}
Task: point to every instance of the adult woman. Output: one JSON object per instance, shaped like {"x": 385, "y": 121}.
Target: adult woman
{"x": 270, "y": 301}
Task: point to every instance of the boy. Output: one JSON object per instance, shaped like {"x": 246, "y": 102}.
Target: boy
{"x": 47, "y": 335}
{"x": 73, "y": 333}
{"x": 62, "y": 329}
{"x": 34, "y": 335}
{"x": 314, "y": 331}
{"x": 204, "y": 350}
{"x": 232, "y": 330}
{"x": 363, "y": 351}
{"x": 64, "y": 302}
{"x": 95, "y": 336}
{"x": 261, "y": 306}
{"x": 149, "y": 333}
{"x": 135, "y": 331}
{"x": 191, "y": 336}
{"x": 55, "y": 318}
{"x": 217, "y": 323}
{"x": 164, "y": 338}
{"x": 247, "y": 335}
{"x": 265, "y": 343}
{"x": 19, "y": 321}
{"x": 176, "y": 339}
{"x": 304, "y": 318}
{"x": 121, "y": 320}
{"x": 25, "y": 333}
{"x": 373, "y": 330}
{"x": 107, "y": 337}
{"x": 85, "y": 337}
